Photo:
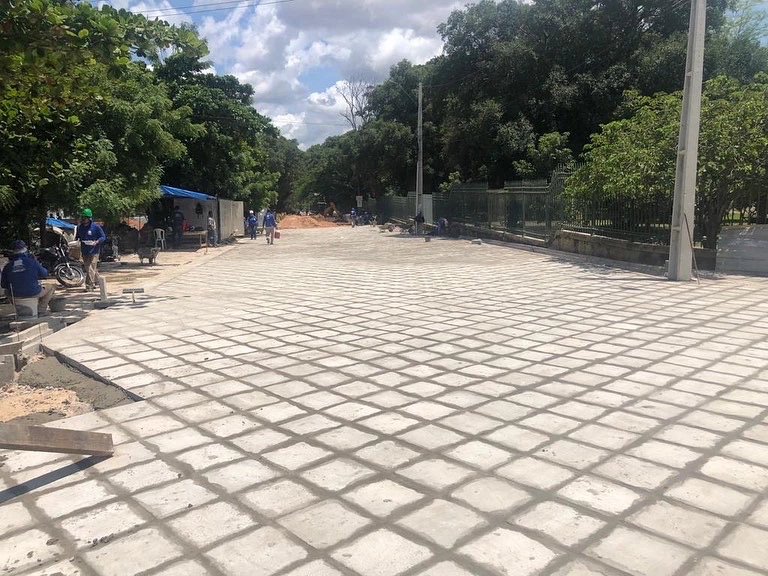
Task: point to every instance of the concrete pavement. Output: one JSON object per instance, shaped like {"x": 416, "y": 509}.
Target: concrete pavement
{"x": 349, "y": 402}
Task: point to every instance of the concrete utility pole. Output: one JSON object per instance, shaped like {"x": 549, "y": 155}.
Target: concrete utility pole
{"x": 420, "y": 162}
{"x": 680, "y": 248}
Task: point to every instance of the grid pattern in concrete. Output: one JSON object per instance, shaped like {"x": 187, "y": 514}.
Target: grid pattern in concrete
{"x": 348, "y": 402}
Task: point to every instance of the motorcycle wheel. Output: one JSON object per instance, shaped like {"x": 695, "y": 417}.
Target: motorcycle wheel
{"x": 69, "y": 277}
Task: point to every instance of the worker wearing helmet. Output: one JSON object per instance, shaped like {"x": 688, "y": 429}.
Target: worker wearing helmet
{"x": 91, "y": 237}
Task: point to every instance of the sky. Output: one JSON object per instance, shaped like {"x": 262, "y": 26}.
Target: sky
{"x": 296, "y": 53}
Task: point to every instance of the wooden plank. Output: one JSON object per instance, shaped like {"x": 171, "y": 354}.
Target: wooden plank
{"x": 43, "y": 439}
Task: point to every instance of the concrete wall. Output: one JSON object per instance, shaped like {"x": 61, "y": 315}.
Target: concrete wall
{"x": 615, "y": 249}
{"x": 231, "y": 218}
{"x": 743, "y": 250}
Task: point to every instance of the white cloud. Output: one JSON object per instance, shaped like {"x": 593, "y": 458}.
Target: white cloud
{"x": 294, "y": 53}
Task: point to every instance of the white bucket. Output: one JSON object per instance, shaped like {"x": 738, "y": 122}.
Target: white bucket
{"x": 26, "y": 307}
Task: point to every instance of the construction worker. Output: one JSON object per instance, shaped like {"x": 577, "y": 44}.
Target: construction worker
{"x": 91, "y": 237}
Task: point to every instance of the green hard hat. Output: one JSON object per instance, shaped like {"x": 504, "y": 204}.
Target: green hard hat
{"x": 87, "y": 212}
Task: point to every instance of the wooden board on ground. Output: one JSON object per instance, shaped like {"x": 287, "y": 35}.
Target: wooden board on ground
{"x": 44, "y": 439}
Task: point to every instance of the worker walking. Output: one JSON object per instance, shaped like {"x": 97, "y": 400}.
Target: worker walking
{"x": 91, "y": 237}
{"x": 270, "y": 224}
{"x": 253, "y": 222}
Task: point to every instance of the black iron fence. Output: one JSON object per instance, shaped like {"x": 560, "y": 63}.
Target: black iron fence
{"x": 539, "y": 208}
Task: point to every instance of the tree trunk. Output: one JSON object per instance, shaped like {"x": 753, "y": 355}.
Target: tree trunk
{"x": 762, "y": 207}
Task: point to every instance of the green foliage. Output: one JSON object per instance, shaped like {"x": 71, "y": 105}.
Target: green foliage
{"x": 84, "y": 120}
{"x": 634, "y": 159}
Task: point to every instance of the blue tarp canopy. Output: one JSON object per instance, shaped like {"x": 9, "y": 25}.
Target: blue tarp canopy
{"x": 59, "y": 223}
{"x": 171, "y": 192}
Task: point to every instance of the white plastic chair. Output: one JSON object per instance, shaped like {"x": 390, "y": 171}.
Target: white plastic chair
{"x": 159, "y": 238}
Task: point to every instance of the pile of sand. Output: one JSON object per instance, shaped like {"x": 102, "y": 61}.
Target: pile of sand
{"x": 48, "y": 390}
{"x": 293, "y": 222}
{"x": 18, "y": 401}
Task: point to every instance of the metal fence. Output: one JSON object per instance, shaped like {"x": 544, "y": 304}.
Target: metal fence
{"x": 539, "y": 208}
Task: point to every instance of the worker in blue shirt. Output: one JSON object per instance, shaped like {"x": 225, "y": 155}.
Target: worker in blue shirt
{"x": 270, "y": 224}
{"x": 20, "y": 277}
{"x": 253, "y": 222}
{"x": 91, "y": 238}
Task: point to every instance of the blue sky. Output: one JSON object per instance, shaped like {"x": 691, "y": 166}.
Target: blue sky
{"x": 295, "y": 52}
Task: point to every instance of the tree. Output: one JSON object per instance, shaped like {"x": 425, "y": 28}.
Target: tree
{"x": 354, "y": 92}
{"x": 61, "y": 63}
{"x": 633, "y": 159}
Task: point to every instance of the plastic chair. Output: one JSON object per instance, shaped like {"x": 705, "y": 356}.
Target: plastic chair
{"x": 159, "y": 238}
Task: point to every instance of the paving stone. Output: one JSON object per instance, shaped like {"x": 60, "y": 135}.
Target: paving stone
{"x": 604, "y": 436}
{"x": 550, "y": 423}
{"x": 715, "y": 567}
{"x": 635, "y": 472}
{"x": 260, "y": 440}
{"x": 174, "y": 497}
{"x": 262, "y": 552}
{"x": 442, "y": 522}
{"x": 710, "y": 496}
{"x": 238, "y": 475}
{"x": 296, "y": 455}
{"x": 207, "y": 524}
{"x": 316, "y": 568}
{"x": 436, "y": 474}
{"x": 736, "y": 472}
{"x": 382, "y": 498}
{"x": 389, "y": 423}
{"x": 760, "y": 515}
{"x": 14, "y": 516}
{"x": 665, "y": 453}
{"x": 337, "y": 474}
{"x": 431, "y": 436}
{"x": 479, "y": 454}
{"x": 491, "y": 495}
{"x": 750, "y": 451}
{"x": 324, "y": 524}
{"x": 691, "y": 527}
{"x": 27, "y": 549}
{"x": 188, "y": 568}
{"x": 345, "y": 438}
{"x": 580, "y": 568}
{"x": 470, "y": 423}
{"x": 508, "y": 553}
{"x": 639, "y": 554}
{"x": 387, "y": 454}
{"x": 518, "y": 438}
{"x": 599, "y": 494}
{"x": 146, "y": 549}
{"x": 372, "y": 555}
{"x": 445, "y": 569}
{"x": 72, "y": 498}
{"x": 209, "y": 456}
{"x": 571, "y": 454}
{"x": 534, "y": 472}
{"x": 746, "y": 544}
{"x": 563, "y": 523}
{"x": 279, "y": 498}
{"x": 105, "y": 521}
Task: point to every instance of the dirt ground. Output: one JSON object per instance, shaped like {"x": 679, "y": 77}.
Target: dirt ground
{"x": 48, "y": 390}
{"x": 294, "y": 222}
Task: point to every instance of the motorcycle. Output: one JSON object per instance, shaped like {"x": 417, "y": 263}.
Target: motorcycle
{"x": 67, "y": 271}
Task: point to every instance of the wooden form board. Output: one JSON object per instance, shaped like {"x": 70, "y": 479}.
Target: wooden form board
{"x": 43, "y": 439}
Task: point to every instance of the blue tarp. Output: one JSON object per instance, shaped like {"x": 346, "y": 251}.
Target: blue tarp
{"x": 171, "y": 192}
{"x": 59, "y": 223}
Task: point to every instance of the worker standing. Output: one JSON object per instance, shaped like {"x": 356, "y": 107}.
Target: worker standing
{"x": 91, "y": 237}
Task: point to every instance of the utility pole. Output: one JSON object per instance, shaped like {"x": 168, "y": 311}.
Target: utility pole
{"x": 681, "y": 239}
{"x": 420, "y": 162}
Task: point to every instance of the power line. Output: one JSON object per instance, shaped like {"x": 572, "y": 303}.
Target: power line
{"x": 182, "y": 10}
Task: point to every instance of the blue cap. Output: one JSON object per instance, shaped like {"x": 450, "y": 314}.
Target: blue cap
{"x": 19, "y": 246}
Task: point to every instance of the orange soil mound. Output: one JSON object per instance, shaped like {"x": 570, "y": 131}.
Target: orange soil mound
{"x": 292, "y": 222}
